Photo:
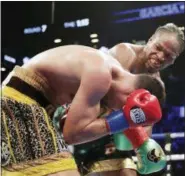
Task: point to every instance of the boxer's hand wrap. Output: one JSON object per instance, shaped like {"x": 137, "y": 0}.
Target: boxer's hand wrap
{"x": 141, "y": 108}
{"x": 151, "y": 157}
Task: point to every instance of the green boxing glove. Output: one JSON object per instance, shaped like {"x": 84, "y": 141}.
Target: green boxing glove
{"x": 121, "y": 142}
{"x": 151, "y": 157}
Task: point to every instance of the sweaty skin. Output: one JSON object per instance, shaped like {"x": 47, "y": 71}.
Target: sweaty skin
{"x": 134, "y": 59}
{"x": 131, "y": 58}
{"x": 82, "y": 75}
{"x": 160, "y": 52}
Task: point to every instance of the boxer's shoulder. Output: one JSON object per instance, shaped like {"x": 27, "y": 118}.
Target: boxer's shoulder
{"x": 122, "y": 47}
{"x": 124, "y": 52}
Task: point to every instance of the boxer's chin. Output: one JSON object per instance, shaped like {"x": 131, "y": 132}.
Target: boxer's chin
{"x": 150, "y": 68}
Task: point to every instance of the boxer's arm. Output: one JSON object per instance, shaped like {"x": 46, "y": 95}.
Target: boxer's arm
{"x": 118, "y": 120}
{"x": 81, "y": 123}
{"x": 124, "y": 53}
{"x": 118, "y": 50}
{"x": 156, "y": 75}
{"x": 148, "y": 129}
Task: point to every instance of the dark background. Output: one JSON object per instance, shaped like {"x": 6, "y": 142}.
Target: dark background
{"x": 16, "y": 16}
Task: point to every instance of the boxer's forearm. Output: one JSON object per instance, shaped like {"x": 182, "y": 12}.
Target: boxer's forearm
{"x": 148, "y": 130}
{"x": 93, "y": 131}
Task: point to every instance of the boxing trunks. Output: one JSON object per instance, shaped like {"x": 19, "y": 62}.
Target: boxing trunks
{"x": 93, "y": 157}
{"x": 96, "y": 156}
{"x": 30, "y": 143}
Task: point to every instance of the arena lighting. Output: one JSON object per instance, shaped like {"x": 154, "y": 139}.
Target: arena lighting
{"x": 177, "y": 135}
{"x": 57, "y": 40}
{"x": 25, "y": 59}
{"x": 104, "y": 49}
{"x": 77, "y": 24}
{"x": 3, "y": 69}
{"x": 182, "y": 112}
{"x": 168, "y": 166}
{"x": 82, "y": 23}
{"x": 173, "y": 157}
{"x": 150, "y": 12}
{"x": 172, "y": 135}
{"x": 176, "y": 157}
{"x": 94, "y": 40}
{"x": 36, "y": 29}
{"x": 93, "y": 35}
{"x": 168, "y": 147}
{"x": 9, "y": 59}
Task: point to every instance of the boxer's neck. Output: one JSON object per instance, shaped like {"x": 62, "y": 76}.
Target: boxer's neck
{"x": 138, "y": 65}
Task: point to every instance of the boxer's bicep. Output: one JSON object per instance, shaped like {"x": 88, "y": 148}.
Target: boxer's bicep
{"x": 85, "y": 106}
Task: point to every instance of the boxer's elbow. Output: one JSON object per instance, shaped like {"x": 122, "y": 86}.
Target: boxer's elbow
{"x": 68, "y": 137}
{"x": 71, "y": 137}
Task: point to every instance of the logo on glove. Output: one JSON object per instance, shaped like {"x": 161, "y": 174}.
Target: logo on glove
{"x": 154, "y": 155}
{"x": 137, "y": 115}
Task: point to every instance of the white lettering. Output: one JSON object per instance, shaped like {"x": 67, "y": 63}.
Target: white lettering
{"x": 82, "y": 23}
{"x": 163, "y": 10}
{"x": 78, "y": 23}
{"x": 9, "y": 59}
{"x": 137, "y": 115}
{"x": 37, "y": 29}
{"x": 69, "y": 24}
{"x": 44, "y": 27}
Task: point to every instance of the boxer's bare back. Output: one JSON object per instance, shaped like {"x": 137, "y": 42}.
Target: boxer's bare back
{"x": 63, "y": 68}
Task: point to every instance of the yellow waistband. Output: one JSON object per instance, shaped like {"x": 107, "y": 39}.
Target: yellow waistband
{"x": 44, "y": 169}
{"x": 16, "y": 95}
{"x": 30, "y": 77}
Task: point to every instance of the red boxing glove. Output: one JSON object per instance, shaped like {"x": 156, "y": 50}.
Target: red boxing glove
{"x": 136, "y": 135}
{"x": 142, "y": 108}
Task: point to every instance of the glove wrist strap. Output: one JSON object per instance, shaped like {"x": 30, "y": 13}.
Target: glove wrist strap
{"x": 116, "y": 122}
